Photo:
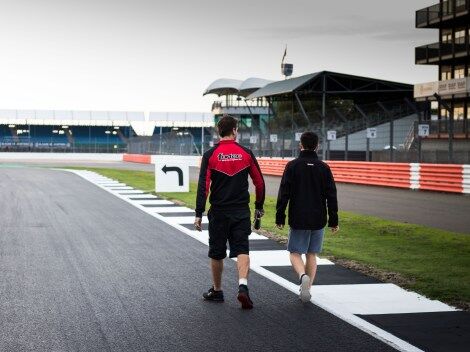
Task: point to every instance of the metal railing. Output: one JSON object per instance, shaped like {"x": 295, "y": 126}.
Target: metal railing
{"x": 434, "y": 52}
{"x": 167, "y": 143}
{"x": 442, "y": 11}
{"x": 218, "y": 104}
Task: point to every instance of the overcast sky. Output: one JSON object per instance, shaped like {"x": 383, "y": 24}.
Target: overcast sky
{"x": 152, "y": 55}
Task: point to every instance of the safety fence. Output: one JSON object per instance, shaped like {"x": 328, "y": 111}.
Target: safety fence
{"x": 137, "y": 158}
{"x": 447, "y": 178}
{"x": 430, "y": 177}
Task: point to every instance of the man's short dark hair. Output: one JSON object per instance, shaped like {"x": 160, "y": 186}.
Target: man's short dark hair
{"x": 226, "y": 125}
{"x": 309, "y": 140}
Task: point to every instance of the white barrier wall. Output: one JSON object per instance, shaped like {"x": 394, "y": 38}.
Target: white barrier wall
{"x": 186, "y": 159}
{"x": 466, "y": 179}
{"x": 60, "y": 156}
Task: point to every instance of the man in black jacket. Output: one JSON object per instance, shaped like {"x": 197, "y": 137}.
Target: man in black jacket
{"x": 308, "y": 186}
{"x": 224, "y": 175}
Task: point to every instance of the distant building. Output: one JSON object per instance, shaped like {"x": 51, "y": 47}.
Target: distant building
{"x": 452, "y": 54}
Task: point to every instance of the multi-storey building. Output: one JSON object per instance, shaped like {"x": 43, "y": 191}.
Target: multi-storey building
{"x": 452, "y": 54}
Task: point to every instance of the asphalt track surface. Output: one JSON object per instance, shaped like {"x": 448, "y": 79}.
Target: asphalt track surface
{"x": 434, "y": 209}
{"x": 81, "y": 270}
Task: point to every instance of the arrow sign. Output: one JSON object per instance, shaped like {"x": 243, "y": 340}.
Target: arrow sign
{"x": 166, "y": 169}
{"x": 165, "y": 174}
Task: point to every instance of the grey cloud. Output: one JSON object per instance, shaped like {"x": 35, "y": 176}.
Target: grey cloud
{"x": 392, "y": 30}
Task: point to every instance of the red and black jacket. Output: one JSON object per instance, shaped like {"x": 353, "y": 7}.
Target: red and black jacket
{"x": 224, "y": 171}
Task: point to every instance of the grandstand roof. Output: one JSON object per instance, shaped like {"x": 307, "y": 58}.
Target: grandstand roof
{"x": 280, "y": 87}
{"x": 336, "y": 83}
{"x": 226, "y": 86}
{"x": 106, "y": 118}
{"x": 68, "y": 117}
{"x": 251, "y": 85}
{"x": 182, "y": 119}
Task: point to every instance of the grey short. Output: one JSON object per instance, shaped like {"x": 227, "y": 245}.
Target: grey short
{"x": 305, "y": 241}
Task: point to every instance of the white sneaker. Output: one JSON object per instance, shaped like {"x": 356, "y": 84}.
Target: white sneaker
{"x": 305, "y": 295}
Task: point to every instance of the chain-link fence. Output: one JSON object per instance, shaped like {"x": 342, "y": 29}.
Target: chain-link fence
{"x": 386, "y": 137}
{"x": 181, "y": 143}
{"x": 375, "y": 138}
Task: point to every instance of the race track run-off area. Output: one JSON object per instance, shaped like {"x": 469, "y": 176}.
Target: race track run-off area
{"x": 91, "y": 264}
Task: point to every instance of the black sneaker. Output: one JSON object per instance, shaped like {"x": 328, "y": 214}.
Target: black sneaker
{"x": 213, "y": 295}
{"x": 244, "y": 297}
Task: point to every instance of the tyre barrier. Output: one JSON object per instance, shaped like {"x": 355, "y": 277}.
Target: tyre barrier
{"x": 429, "y": 177}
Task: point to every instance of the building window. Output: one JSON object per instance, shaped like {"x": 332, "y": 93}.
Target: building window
{"x": 460, "y": 5}
{"x": 444, "y": 114}
{"x": 459, "y": 71}
{"x": 460, "y": 36}
{"x": 447, "y": 8}
{"x": 446, "y": 73}
{"x": 447, "y": 36}
{"x": 458, "y": 111}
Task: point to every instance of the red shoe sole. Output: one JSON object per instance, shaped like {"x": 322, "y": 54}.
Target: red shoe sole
{"x": 245, "y": 301}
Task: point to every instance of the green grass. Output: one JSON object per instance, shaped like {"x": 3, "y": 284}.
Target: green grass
{"x": 433, "y": 262}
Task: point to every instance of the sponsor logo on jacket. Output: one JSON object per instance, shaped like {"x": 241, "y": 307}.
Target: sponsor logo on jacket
{"x": 229, "y": 157}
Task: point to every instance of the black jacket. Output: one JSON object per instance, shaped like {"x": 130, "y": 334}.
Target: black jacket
{"x": 308, "y": 186}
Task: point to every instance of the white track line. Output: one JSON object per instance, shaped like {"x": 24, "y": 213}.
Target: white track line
{"x": 277, "y": 258}
{"x": 186, "y": 220}
{"x": 120, "y": 188}
{"x": 140, "y": 196}
{"x": 388, "y": 299}
{"x": 155, "y": 202}
{"x": 331, "y": 298}
{"x": 126, "y": 192}
{"x": 171, "y": 210}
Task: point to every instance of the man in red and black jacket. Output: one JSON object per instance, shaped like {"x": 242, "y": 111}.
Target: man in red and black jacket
{"x": 224, "y": 174}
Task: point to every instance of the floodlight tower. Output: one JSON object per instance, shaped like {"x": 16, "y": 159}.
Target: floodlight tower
{"x": 286, "y": 69}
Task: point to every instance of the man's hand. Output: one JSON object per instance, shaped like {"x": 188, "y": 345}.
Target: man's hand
{"x": 280, "y": 226}
{"x": 198, "y": 224}
{"x": 334, "y": 229}
{"x": 259, "y": 213}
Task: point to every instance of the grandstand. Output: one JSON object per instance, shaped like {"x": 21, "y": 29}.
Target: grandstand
{"x": 93, "y": 131}
{"x": 272, "y": 114}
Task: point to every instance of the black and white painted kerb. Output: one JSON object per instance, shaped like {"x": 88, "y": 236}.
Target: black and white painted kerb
{"x": 386, "y": 311}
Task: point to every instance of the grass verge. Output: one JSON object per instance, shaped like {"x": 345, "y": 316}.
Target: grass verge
{"x": 433, "y": 262}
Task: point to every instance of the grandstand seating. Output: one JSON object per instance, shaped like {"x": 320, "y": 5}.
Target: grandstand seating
{"x": 81, "y": 138}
